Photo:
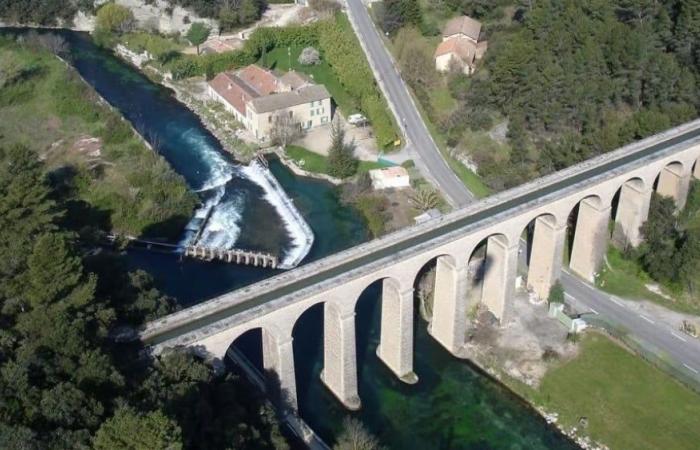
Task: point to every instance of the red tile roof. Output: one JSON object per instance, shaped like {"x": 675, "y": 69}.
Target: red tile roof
{"x": 263, "y": 81}
{"x": 233, "y": 90}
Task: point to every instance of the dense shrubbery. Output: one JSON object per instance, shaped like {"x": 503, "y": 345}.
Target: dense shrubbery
{"x": 42, "y": 12}
{"x": 572, "y": 78}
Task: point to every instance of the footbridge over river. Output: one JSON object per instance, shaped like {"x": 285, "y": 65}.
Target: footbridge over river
{"x": 575, "y": 205}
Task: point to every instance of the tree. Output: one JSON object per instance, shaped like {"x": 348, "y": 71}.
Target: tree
{"x": 341, "y": 159}
{"x": 285, "y": 128}
{"x": 425, "y": 197}
{"x": 399, "y": 13}
{"x": 113, "y": 18}
{"x": 355, "y": 437}
{"x": 197, "y": 34}
{"x": 129, "y": 430}
{"x": 556, "y": 293}
{"x": 659, "y": 251}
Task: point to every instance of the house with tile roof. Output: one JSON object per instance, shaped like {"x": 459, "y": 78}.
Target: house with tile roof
{"x": 258, "y": 97}
{"x": 461, "y": 45}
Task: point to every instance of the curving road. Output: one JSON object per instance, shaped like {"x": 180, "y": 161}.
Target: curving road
{"x": 420, "y": 145}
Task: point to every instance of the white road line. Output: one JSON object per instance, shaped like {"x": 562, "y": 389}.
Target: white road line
{"x": 612, "y": 299}
{"x": 593, "y": 311}
{"x": 678, "y": 337}
{"x": 566, "y": 294}
{"x": 690, "y": 368}
{"x": 646, "y": 318}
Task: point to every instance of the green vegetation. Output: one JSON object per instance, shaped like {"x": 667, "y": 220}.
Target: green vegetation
{"x": 343, "y": 69}
{"x": 627, "y": 403}
{"x": 197, "y": 34}
{"x": 341, "y": 160}
{"x": 279, "y": 58}
{"x": 568, "y": 80}
{"x": 65, "y": 381}
{"x": 42, "y": 12}
{"x": 669, "y": 256}
{"x": 231, "y": 15}
{"x": 91, "y": 153}
{"x": 374, "y": 210}
{"x": 114, "y": 18}
{"x": 313, "y": 162}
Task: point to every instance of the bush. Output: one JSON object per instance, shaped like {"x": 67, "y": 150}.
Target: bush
{"x": 309, "y": 56}
{"x": 373, "y": 209}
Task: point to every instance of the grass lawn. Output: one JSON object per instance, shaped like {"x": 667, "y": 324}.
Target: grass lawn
{"x": 279, "y": 59}
{"x": 50, "y": 111}
{"x": 625, "y": 278}
{"x": 313, "y": 162}
{"x": 629, "y": 404}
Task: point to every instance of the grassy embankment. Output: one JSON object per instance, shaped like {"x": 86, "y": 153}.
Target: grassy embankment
{"x": 313, "y": 162}
{"x": 628, "y": 403}
{"x": 118, "y": 185}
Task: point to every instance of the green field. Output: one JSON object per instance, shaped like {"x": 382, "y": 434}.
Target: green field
{"x": 283, "y": 59}
{"x": 629, "y": 404}
{"x": 121, "y": 185}
{"x": 313, "y": 162}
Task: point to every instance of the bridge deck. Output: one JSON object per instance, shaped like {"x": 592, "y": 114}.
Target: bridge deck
{"x": 354, "y": 259}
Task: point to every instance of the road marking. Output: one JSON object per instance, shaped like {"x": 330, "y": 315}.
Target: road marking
{"x": 593, "y": 311}
{"x": 678, "y": 337}
{"x": 617, "y": 302}
{"x": 646, "y": 318}
{"x": 690, "y": 368}
{"x": 566, "y": 294}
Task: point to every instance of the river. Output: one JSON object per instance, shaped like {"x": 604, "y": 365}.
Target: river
{"x": 453, "y": 406}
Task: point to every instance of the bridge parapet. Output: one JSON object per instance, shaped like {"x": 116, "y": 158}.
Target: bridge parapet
{"x": 270, "y": 294}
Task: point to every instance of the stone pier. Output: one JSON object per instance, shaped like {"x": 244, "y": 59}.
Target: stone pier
{"x": 632, "y": 211}
{"x": 396, "y": 335}
{"x": 449, "y": 320}
{"x": 499, "y": 275}
{"x": 590, "y": 238}
{"x": 278, "y": 361}
{"x": 339, "y": 356}
{"x": 546, "y": 255}
{"x": 674, "y": 181}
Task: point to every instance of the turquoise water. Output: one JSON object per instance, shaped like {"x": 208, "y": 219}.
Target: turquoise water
{"x": 453, "y": 406}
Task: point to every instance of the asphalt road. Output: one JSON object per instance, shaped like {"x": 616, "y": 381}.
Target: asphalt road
{"x": 654, "y": 334}
{"x": 389, "y": 250}
{"x": 421, "y": 146}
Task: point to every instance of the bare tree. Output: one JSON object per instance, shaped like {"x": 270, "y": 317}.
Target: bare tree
{"x": 285, "y": 129}
{"x": 356, "y": 437}
{"x": 54, "y": 43}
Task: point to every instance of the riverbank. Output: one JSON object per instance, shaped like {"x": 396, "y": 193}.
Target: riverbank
{"x": 87, "y": 146}
{"x": 608, "y": 397}
{"x": 192, "y": 93}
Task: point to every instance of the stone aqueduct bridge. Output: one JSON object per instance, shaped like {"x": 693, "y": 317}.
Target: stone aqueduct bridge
{"x": 617, "y": 186}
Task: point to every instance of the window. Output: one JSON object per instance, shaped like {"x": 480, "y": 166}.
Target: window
{"x": 269, "y": 119}
{"x": 312, "y": 113}
{"x": 324, "y": 119}
{"x": 309, "y": 123}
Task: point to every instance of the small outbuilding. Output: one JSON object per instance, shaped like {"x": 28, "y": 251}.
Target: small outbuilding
{"x": 389, "y": 177}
